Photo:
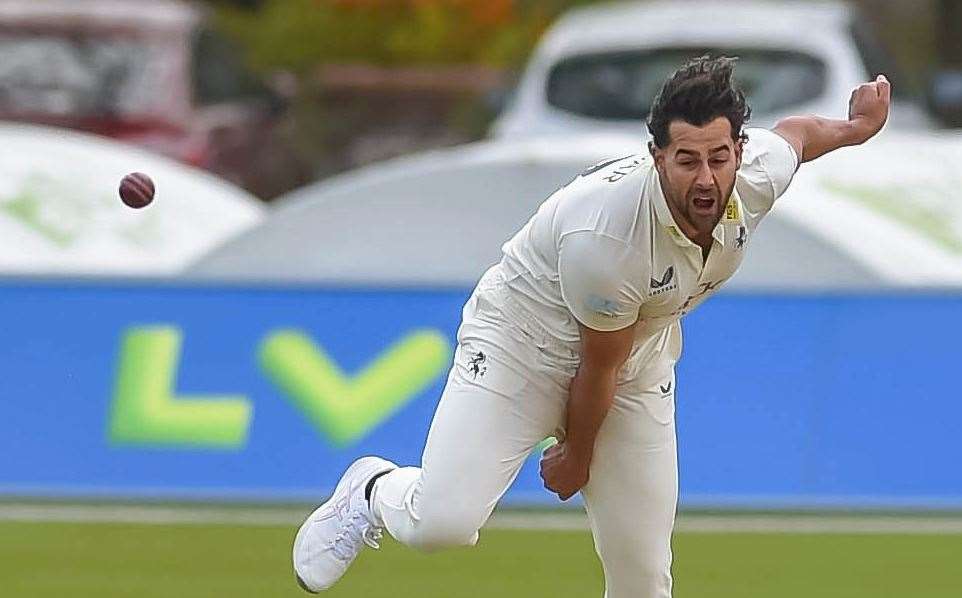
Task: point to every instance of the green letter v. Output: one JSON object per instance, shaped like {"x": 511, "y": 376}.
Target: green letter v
{"x": 343, "y": 408}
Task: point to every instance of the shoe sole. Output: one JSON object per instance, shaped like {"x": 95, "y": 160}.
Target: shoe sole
{"x": 376, "y": 465}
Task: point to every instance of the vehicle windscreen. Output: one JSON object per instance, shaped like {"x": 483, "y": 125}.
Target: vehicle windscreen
{"x": 623, "y": 85}
{"x": 59, "y": 74}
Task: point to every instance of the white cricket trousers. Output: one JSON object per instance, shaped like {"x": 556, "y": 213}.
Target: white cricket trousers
{"x": 506, "y": 392}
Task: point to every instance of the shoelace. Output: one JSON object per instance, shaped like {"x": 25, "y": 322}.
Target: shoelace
{"x": 356, "y": 529}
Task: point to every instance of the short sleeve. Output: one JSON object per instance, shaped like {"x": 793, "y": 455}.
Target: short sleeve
{"x": 768, "y": 165}
{"x": 599, "y": 277}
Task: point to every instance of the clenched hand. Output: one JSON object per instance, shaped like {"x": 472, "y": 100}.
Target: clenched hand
{"x": 563, "y": 472}
{"x": 868, "y": 107}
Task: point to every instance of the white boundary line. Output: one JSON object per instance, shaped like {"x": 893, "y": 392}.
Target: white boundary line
{"x": 150, "y": 514}
{"x": 768, "y": 523}
{"x": 520, "y": 520}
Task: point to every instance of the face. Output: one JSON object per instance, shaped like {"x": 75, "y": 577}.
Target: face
{"x": 697, "y": 172}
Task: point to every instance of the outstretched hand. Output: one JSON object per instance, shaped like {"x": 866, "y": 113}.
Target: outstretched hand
{"x": 868, "y": 107}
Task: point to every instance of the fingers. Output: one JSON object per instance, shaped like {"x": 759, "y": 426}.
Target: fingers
{"x": 883, "y": 88}
{"x": 551, "y": 451}
{"x": 551, "y": 486}
{"x": 861, "y": 94}
{"x": 871, "y": 99}
{"x": 555, "y": 485}
{"x": 563, "y": 493}
{"x": 556, "y": 476}
{"x": 546, "y": 471}
{"x": 880, "y": 88}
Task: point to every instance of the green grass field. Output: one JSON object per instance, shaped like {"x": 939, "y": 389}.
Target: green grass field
{"x": 39, "y": 560}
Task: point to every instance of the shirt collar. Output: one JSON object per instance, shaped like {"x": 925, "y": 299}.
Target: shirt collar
{"x": 664, "y": 214}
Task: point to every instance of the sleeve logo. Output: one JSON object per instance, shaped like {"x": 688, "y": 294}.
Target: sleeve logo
{"x": 605, "y": 307}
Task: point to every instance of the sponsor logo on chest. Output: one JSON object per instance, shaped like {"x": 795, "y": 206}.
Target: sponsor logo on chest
{"x": 665, "y": 284}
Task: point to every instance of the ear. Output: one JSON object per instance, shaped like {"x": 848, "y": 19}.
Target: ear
{"x": 739, "y": 148}
{"x": 657, "y": 154}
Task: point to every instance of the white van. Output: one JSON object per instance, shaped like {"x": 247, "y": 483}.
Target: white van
{"x": 599, "y": 68}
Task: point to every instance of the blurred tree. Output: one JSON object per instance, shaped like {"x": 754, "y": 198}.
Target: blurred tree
{"x": 906, "y": 32}
{"x": 246, "y": 4}
{"x": 300, "y": 34}
{"x": 386, "y": 77}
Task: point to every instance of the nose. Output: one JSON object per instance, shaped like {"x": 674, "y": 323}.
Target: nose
{"x": 705, "y": 177}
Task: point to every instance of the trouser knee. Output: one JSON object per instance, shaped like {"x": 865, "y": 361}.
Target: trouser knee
{"x": 439, "y": 533}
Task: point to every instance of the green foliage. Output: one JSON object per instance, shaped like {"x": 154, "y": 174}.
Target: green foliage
{"x": 300, "y": 34}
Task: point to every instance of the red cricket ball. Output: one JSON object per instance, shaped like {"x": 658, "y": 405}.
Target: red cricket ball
{"x": 137, "y": 190}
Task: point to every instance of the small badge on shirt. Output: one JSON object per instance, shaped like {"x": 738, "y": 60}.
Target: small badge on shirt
{"x": 731, "y": 210}
{"x": 476, "y": 365}
{"x": 742, "y": 237}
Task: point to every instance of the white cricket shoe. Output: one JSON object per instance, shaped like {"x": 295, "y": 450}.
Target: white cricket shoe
{"x": 335, "y": 533}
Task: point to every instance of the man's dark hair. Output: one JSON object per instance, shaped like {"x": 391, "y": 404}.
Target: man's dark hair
{"x": 698, "y": 93}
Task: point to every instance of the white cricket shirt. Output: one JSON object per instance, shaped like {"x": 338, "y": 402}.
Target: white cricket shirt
{"x": 604, "y": 250}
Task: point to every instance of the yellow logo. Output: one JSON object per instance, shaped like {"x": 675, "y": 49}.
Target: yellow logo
{"x": 731, "y": 210}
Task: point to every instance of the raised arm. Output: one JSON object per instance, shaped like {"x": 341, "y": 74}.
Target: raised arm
{"x": 814, "y": 136}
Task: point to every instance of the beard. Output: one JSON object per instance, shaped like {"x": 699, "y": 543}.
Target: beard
{"x": 703, "y": 218}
